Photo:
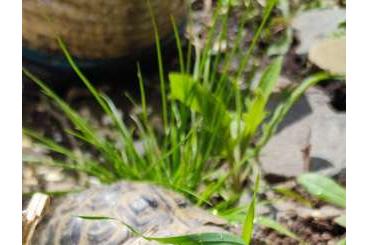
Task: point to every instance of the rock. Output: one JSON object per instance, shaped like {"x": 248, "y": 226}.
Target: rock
{"x": 329, "y": 54}
{"x": 323, "y": 213}
{"x": 310, "y": 125}
{"x": 316, "y": 24}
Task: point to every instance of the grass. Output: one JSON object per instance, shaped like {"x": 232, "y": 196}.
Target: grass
{"x": 214, "y": 129}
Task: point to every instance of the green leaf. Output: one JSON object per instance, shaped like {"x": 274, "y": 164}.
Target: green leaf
{"x": 181, "y": 86}
{"x": 270, "y": 77}
{"x": 274, "y": 225}
{"x": 255, "y": 114}
{"x": 198, "y": 98}
{"x": 323, "y": 188}
{"x": 190, "y": 239}
{"x": 249, "y": 219}
{"x": 256, "y": 106}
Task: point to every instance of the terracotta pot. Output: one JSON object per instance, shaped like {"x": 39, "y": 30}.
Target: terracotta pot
{"x": 96, "y": 30}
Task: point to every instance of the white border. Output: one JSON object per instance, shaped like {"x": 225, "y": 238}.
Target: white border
{"x": 357, "y": 122}
{"x": 10, "y": 127}
{"x": 11, "y": 123}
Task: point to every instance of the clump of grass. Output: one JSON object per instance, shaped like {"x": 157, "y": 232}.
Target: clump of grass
{"x": 209, "y": 122}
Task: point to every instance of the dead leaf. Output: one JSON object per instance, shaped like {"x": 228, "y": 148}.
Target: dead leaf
{"x": 330, "y": 55}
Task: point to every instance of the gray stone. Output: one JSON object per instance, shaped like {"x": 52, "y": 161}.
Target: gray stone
{"x": 316, "y": 24}
{"x": 310, "y": 123}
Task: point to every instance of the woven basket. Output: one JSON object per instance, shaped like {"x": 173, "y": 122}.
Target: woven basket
{"x": 97, "y": 29}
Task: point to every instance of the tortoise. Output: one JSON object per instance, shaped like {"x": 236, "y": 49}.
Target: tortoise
{"x": 151, "y": 209}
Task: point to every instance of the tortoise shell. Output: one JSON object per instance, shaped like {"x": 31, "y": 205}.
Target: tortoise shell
{"x": 153, "y": 210}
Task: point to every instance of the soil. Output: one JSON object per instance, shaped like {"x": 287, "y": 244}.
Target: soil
{"x": 321, "y": 232}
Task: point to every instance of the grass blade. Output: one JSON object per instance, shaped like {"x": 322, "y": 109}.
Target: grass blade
{"x": 324, "y": 188}
{"x": 160, "y": 67}
{"x": 81, "y": 76}
{"x": 291, "y": 194}
{"x": 267, "y": 12}
{"x": 143, "y": 94}
{"x": 198, "y": 98}
{"x": 274, "y": 225}
{"x": 178, "y": 44}
{"x": 202, "y": 238}
{"x": 281, "y": 111}
{"x": 190, "y": 239}
{"x": 249, "y": 219}
{"x": 256, "y": 106}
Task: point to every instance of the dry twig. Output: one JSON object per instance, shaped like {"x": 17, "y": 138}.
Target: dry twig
{"x": 32, "y": 215}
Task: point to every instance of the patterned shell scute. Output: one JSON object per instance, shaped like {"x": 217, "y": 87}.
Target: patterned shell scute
{"x": 146, "y": 207}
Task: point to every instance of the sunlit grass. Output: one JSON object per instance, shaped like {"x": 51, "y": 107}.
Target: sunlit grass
{"x": 213, "y": 128}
